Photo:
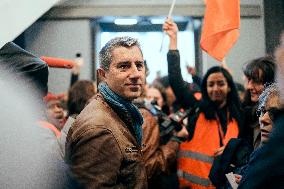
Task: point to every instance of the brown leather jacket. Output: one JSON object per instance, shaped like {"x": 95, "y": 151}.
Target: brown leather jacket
{"x": 101, "y": 150}
{"x": 158, "y": 158}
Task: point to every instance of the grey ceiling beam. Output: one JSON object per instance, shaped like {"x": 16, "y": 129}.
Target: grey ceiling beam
{"x": 80, "y": 12}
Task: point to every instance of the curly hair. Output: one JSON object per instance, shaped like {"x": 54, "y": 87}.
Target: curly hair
{"x": 271, "y": 90}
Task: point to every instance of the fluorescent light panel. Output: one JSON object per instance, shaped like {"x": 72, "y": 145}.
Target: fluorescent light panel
{"x": 125, "y": 21}
{"x": 157, "y": 21}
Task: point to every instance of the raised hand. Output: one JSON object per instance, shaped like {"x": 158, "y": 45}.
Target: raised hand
{"x": 171, "y": 29}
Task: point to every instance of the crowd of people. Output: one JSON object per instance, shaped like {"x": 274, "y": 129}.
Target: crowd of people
{"x": 125, "y": 133}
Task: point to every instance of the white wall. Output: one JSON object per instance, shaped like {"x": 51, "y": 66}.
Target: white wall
{"x": 250, "y": 45}
{"x": 16, "y": 16}
{"x": 62, "y": 39}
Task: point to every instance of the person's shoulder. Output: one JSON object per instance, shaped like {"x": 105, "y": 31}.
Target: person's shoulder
{"x": 89, "y": 130}
{"x": 96, "y": 110}
{"x": 97, "y": 115}
{"x": 93, "y": 115}
{"x": 149, "y": 118}
{"x": 145, "y": 112}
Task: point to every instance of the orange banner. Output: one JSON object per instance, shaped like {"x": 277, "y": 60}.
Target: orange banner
{"x": 221, "y": 27}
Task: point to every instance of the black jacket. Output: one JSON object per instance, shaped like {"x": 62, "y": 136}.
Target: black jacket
{"x": 24, "y": 65}
{"x": 265, "y": 169}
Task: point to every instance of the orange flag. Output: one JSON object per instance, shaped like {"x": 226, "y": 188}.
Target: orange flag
{"x": 221, "y": 27}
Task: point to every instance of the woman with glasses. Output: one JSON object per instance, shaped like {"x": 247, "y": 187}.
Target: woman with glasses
{"x": 269, "y": 107}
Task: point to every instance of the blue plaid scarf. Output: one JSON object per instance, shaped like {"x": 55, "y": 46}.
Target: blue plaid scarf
{"x": 126, "y": 110}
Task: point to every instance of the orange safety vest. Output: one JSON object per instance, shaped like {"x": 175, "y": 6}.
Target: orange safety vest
{"x": 50, "y": 126}
{"x": 196, "y": 156}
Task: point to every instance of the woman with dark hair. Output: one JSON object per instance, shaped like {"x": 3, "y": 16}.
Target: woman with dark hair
{"x": 213, "y": 102}
{"x": 78, "y": 96}
{"x": 258, "y": 72}
{"x": 217, "y": 117}
{"x": 162, "y": 97}
{"x": 241, "y": 91}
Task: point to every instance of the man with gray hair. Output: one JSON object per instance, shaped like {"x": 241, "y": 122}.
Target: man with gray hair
{"x": 103, "y": 146}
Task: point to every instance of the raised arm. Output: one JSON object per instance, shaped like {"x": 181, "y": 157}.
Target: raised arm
{"x": 195, "y": 78}
{"x": 179, "y": 86}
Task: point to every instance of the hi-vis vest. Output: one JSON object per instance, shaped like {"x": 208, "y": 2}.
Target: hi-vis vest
{"x": 48, "y": 125}
{"x": 196, "y": 156}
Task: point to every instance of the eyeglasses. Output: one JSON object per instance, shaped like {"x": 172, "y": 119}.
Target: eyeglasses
{"x": 272, "y": 112}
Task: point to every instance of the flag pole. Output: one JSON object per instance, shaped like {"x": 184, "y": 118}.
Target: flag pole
{"x": 223, "y": 62}
{"x": 225, "y": 66}
{"x": 169, "y": 15}
{"x": 172, "y": 8}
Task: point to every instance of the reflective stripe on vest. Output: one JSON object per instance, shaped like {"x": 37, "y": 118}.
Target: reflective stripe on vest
{"x": 194, "y": 179}
{"x": 48, "y": 125}
{"x": 195, "y": 155}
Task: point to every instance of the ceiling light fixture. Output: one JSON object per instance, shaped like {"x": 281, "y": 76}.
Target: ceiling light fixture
{"x": 125, "y": 21}
{"x": 157, "y": 21}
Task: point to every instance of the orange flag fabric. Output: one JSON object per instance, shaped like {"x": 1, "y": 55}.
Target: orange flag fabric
{"x": 58, "y": 62}
{"x": 221, "y": 27}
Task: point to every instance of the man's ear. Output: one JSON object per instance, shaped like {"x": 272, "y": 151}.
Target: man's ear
{"x": 101, "y": 74}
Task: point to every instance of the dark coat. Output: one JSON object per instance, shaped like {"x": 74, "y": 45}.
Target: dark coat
{"x": 265, "y": 168}
{"x": 235, "y": 155}
{"x": 29, "y": 155}
{"x": 24, "y": 64}
{"x": 252, "y": 128}
{"x": 101, "y": 150}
